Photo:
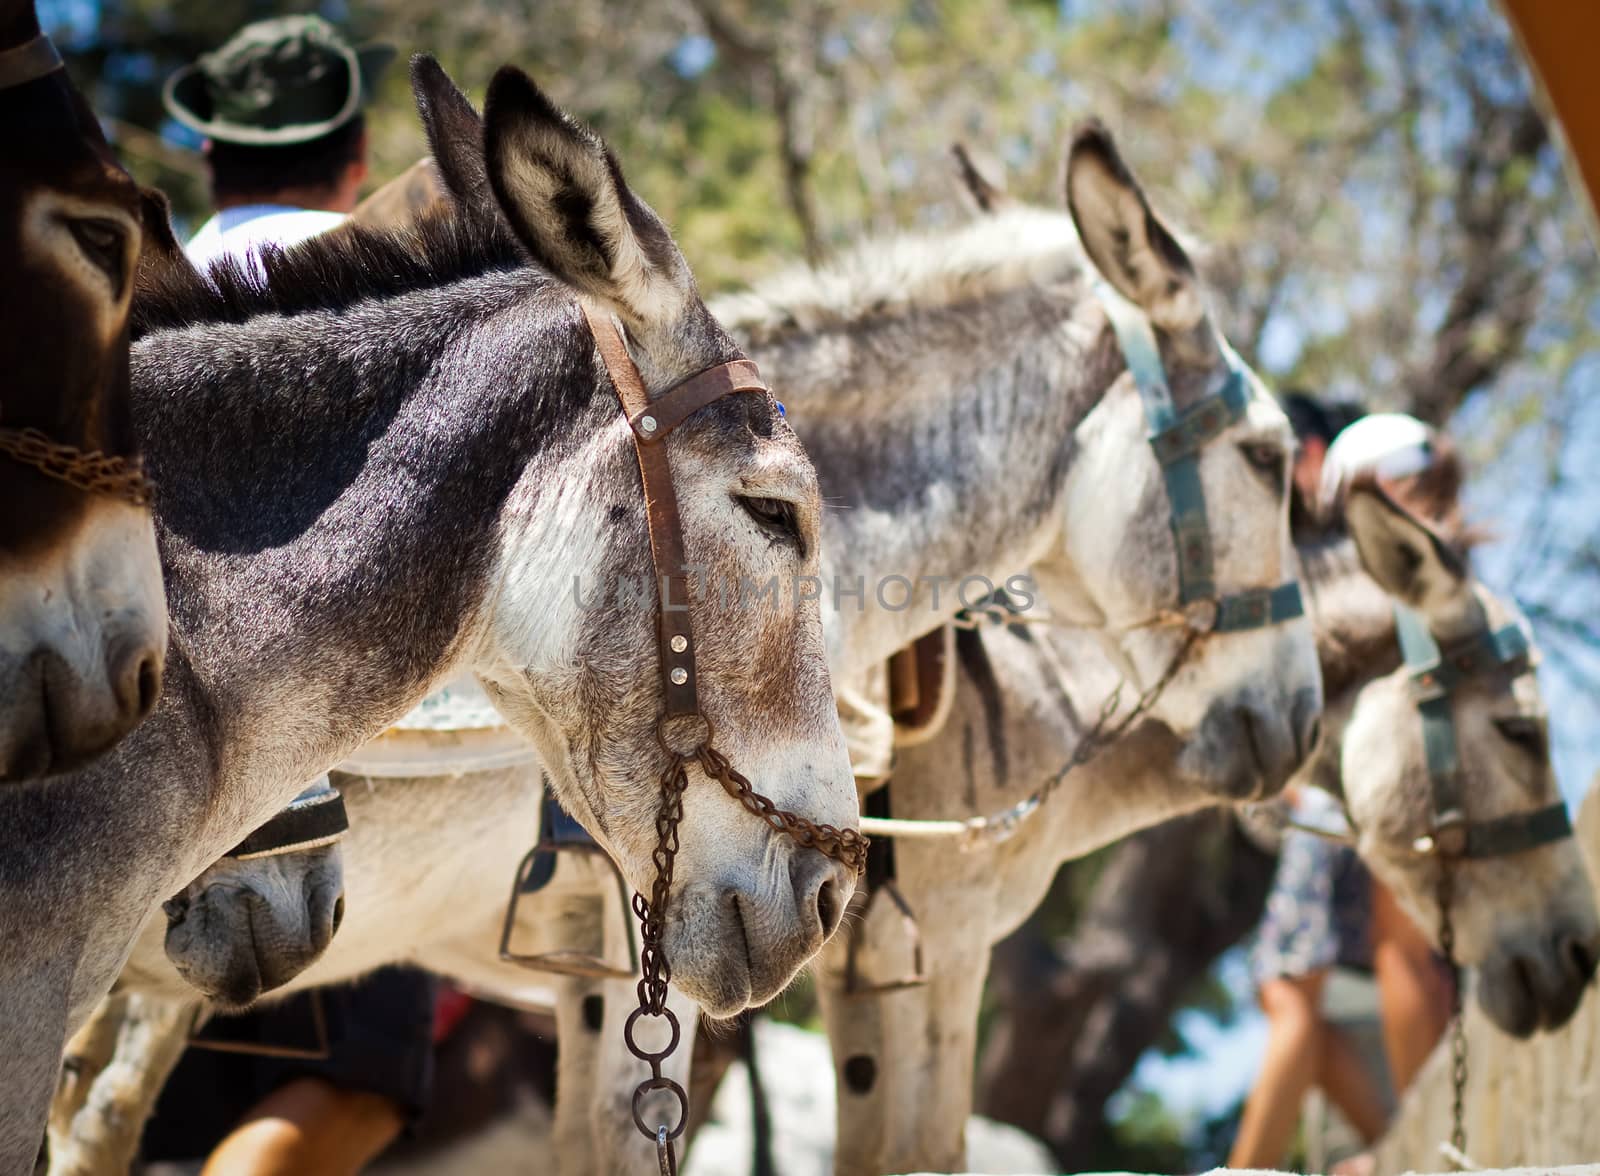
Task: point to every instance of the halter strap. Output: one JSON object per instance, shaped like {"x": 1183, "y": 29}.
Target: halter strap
{"x": 651, "y": 421}
{"x": 28, "y": 62}
{"x": 1434, "y": 677}
{"x": 1177, "y": 439}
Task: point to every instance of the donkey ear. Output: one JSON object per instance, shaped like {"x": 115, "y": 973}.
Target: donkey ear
{"x": 1127, "y": 242}
{"x": 155, "y": 214}
{"x": 563, "y": 192}
{"x": 986, "y": 197}
{"x": 455, "y": 133}
{"x": 1410, "y": 561}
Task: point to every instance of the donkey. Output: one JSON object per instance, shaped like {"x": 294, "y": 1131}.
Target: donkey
{"x": 905, "y": 1058}
{"x": 1015, "y": 437}
{"x": 385, "y": 466}
{"x": 82, "y": 619}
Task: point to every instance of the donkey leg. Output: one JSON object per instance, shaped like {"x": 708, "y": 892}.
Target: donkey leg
{"x": 904, "y": 1058}
{"x": 580, "y": 1018}
{"x": 86, "y": 1056}
{"x": 103, "y": 1138}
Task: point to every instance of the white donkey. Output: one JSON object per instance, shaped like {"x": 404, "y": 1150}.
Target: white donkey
{"x": 386, "y": 467}
{"x": 1024, "y": 702}
{"x": 969, "y": 403}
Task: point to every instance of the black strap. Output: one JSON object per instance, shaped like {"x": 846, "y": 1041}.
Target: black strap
{"x": 308, "y": 823}
{"x": 880, "y": 851}
{"x": 1518, "y": 832}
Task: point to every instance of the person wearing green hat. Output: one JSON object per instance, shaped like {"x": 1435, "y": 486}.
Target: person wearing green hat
{"x": 280, "y": 105}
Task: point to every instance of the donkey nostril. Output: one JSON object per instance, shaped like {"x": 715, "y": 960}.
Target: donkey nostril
{"x": 1581, "y": 956}
{"x": 829, "y": 909}
{"x": 338, "y": 914}
{"x": 149, "y": 683}
{"x": 1313, "y": 736}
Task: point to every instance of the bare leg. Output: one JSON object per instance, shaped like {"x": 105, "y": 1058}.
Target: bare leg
{"x": 1294, "y": 1046}
{"x": 1343, "y": 1074}
{"x": 308, "y": 1127}
{"x": 1414, "y": 995}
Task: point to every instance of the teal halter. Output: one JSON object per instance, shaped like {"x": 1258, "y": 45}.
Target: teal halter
{"x": 1177, "y": 439}
{"x": 1434, "y": 676}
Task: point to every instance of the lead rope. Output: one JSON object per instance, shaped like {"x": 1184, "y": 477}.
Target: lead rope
{"x": 843, "y": 845}
{"x": 1456, "y": 1151}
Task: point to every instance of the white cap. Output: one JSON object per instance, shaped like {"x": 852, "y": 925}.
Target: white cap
{"x": 1388, "y": 444}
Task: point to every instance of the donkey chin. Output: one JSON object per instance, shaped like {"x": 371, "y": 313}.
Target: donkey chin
{"x": 732, "y": 947}
{"x": 1246, "y": 750}
{"x": 1528, "y": 983}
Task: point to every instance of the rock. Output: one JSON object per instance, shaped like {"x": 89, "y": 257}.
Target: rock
{"x": 797, "y": 1073}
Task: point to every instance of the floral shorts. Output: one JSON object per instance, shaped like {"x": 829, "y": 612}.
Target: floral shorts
{"x": 1319, "y": 911}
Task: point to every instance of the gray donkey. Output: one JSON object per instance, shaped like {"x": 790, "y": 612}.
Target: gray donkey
{"x": 388, "y": 465}
{"x": 972, "y": 414}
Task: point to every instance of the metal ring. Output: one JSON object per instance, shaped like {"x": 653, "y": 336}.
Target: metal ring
{"x": 661, "y": 735}
{"x": 659, "y": 1083}
{"x": 657, "y": 1057}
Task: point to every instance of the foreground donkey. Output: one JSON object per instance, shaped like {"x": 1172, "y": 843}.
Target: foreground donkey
{"x": 388, "y": 467}
{"x": 82, "y": 623}
{"x": 969, "y": 403}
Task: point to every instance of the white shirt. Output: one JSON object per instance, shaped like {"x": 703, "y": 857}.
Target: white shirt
{"x": 240, "y": 232}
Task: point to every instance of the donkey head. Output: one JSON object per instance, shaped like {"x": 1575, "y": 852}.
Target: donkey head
{"x": 573, "y": 649}
{"x": 1246, "y": 701}
{"x": 1527, "y": 919}
{"x": 83, "y": 626}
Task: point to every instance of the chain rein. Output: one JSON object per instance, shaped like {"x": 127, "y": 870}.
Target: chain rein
{"x": 650, "y": 422}
{"x": 1458, "y": 1031}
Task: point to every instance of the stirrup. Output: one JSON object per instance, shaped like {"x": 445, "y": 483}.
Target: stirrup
{"x": 853, "y": 985}
{"x": 320, "y": 1051}
{"x": 559, "y": 833}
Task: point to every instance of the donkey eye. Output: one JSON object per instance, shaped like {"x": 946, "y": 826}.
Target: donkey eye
{"x": 1267, "y": 460}
{"x": 1526, "y": 733}
{"x": 776, "y": 515}
{"x": 102, "y": 243}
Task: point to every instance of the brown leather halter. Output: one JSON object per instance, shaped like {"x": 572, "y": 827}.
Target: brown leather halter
{"x": 651, "y": 422}
{"x": 88, "y": 470}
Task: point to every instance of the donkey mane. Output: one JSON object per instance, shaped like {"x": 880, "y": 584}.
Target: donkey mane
{"x": 331, "y": 271}
{"x": 907, "y": 273}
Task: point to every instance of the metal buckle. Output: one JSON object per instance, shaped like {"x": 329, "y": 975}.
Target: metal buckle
{"x": 564, "y": 962}
{"x": 1449, "y": 836}
{"x": 852, "y": 973}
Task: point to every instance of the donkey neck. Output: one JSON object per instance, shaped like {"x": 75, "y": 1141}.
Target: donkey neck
{"x": 942, "y": 434}
{"x": 331, "y": 492}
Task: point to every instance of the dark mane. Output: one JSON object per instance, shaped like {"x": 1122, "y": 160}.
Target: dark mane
{"x": 331, "y": 271}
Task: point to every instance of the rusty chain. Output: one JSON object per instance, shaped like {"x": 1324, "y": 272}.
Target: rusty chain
{"x": 1100, "y": 736}
{"x": 1458, "y": 1033}
{"x": 96, "y": 473}
{"x": 843, "y": 845}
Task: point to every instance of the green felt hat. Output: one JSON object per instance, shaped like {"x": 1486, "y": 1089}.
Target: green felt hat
{"x": 276, "y": 82}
